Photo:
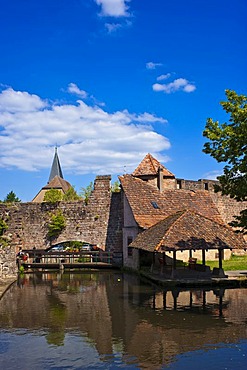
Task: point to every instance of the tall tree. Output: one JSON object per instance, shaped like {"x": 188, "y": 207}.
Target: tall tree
{"x": 11, "y": 198}
{"x": 228, "y": 143}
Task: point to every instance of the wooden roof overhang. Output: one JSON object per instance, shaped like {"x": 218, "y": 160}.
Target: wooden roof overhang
{"x": 187, "y": 230}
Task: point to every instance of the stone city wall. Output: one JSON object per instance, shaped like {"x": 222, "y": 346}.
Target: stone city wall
{"x": 28, "y": 222}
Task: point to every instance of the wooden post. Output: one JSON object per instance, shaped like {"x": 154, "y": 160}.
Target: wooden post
{"x": 203, "y": 257}
{"x": 174, "y": 260}
{"x": 153, "y": 262}
{"x": 220, "y": 258}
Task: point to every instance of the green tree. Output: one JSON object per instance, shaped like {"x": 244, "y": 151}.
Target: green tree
{"x": 53, "y": 196}
{"x": 11, "y": 198}
{"x": 71, "y": 195}
{"x": 86, "y": 192}
{"x": 115, "y": 187}
{"x": 56, "y": 225}
{"x": 228, "y": 143}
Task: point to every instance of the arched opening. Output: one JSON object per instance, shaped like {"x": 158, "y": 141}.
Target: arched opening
{"x": 73, "y": 246}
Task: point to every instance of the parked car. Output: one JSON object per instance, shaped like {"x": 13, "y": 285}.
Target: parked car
{"x": 86, "y": 247}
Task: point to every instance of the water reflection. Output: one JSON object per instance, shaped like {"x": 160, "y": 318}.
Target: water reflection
{"x": 109, "y": 320}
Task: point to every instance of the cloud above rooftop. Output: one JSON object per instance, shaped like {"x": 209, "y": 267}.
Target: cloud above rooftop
{"x": 90, "y": 139}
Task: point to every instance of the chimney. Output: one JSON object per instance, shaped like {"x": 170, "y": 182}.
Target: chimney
{"x": 160, "y": 179}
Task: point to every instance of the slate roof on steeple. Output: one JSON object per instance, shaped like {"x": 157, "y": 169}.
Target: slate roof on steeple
{"x": 55, "y": 168}
{"x": 150, "y": 166}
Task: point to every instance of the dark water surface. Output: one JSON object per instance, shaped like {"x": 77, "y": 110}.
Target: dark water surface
{"x": 111, "y": 320}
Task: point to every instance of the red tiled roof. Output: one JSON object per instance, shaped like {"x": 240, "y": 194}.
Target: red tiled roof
{"x": 186, "y": 230}
{"x": 140, "y": 194}
{"x": 150, "y": 166}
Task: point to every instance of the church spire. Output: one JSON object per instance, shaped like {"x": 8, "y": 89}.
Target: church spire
{"x": 55, "y": 168}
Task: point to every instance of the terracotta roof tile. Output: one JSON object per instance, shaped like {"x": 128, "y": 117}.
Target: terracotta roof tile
{"x": 150, "y": 166}
{"x": 140, "y": 196}
{"x": 188, "y": 230}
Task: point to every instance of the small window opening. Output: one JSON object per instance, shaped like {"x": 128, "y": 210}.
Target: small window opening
{"x": 179, "y": 184}
{"x": 155, "y": 205}
{"x": 205, "y": 185}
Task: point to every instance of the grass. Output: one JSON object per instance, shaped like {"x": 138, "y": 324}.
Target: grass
{"x": 234, "y": 263}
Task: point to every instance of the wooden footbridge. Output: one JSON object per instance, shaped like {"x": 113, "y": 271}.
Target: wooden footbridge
{"x": 65, "y": 260}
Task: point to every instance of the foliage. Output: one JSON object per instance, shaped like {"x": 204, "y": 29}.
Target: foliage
{"x": 228, "y": 143}
{"x": 53, "y": 196}
{"x": 11, "y": 198}
{"x": 86, "y": 192}
{"x": 3, "y": 226}
{"x": 56, "y": 225}
{"x": 71, "y": 195}
{"x": 116, "y": 187}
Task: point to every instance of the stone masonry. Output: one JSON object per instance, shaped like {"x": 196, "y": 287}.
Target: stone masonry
{"x": 92, "y": 223}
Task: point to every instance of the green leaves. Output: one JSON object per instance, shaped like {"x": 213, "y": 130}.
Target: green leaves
{"x": 3, "y": 226}
{"x": 53, "y": 196}
{"x": 71, "y": 195}
{"x": 11, "y": 198}
{"x": 228, "y": 143}
{"x": 56, "y": 225}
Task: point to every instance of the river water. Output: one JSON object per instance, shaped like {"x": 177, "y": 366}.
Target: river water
{"x": 113, "y": 320}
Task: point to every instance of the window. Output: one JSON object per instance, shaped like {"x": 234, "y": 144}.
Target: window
{"x": 155, "y": 205}
{"x": 205, "y": 185}
{"x": 130, "y": 249}
{"x": 179, "y": 184}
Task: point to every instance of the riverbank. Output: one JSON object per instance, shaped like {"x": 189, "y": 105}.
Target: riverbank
{"x": 5, "y": 283}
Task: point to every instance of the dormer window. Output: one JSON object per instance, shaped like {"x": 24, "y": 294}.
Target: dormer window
{"x": 155, "y": 205}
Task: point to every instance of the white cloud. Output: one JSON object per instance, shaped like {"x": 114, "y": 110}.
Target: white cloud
{"x": 152, "y": 65}
{"x": 212, "y": 175}
{"x": 164, "y": 77}
{"x": 16, "y": 101}
{"x": 74, "y": 89}
{"x": 90, "y": 139}
{"x": 113, "y": 8}
{"x": 180, "y": 84}
{"x": 113, "y": 27}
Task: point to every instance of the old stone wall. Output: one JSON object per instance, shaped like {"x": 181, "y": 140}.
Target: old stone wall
{"x": 28, "y": 222}
{"x": 7, "y": 261}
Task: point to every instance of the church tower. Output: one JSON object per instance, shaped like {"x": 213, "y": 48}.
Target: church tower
{"x": 56, "y": 180}
{"x": 56, "y": 169}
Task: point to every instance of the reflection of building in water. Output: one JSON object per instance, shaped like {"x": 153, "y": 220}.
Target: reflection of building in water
{"x": 118, "y": 313}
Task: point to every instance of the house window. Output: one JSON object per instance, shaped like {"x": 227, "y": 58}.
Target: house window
{"x": 130, "y": 249}
{"x": 205, "y": 185}
{"x": 179, "y": 184}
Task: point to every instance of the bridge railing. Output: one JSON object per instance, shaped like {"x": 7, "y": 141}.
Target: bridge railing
{"x": 47, "y": 257}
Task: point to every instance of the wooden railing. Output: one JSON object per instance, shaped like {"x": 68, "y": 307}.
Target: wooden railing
{"x": 46, "y": 257}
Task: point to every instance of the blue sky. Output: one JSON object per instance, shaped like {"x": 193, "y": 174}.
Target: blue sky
{"x": 109, "y": 81}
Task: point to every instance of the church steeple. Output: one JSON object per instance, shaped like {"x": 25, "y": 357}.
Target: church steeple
{"x": 55, "y": 168}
